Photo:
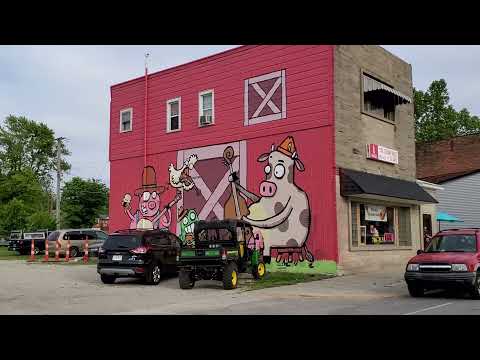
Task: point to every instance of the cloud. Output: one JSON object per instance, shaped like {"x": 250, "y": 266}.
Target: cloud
{"x": 68, "y": 87}
{"x": 457, "y": 64}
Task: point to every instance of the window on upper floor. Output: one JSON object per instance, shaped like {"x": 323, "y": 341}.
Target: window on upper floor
{"x": 381, "y": 99}
{"x": 126, "y": 120}
{"x": 206, "y": 108}
{"x": 174, "y": 122}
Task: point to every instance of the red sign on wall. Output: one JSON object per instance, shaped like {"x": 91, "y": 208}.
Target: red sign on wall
{"x": 381, "y": 153}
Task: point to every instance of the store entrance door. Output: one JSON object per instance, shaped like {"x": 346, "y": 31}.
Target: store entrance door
{"x": 427, "y": 229}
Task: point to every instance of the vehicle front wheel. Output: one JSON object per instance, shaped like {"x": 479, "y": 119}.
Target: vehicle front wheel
{"x": 475, "y": 291}
{"x": 73, "y": 252}
{"x": 185, "y": 279}
{"x": 230, "y": 276}
{"x": 259, "y": 271}
{"x": 108, "y": 279}
{"x": 416, "y": 291}
{"x": 153, "y": 274}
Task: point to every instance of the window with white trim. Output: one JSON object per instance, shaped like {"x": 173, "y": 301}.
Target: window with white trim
{"x": 174, "y": 121}
{"x": 376, "y": 226}
{"x": 126, "y": 116}
{"x": 206, "y": 108}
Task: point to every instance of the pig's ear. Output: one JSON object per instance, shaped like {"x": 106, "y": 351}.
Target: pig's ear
{"x": 299, "y": 165}
{"x": 263, "y": 157}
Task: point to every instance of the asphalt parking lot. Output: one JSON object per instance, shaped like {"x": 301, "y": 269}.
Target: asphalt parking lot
{"x": 76, "y": 289}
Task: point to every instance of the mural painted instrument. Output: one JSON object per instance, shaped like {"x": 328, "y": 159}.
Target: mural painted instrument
{"x": 236, "y": 206}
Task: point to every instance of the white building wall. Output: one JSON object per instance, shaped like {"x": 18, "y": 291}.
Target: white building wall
{"x": 461, "y": 198}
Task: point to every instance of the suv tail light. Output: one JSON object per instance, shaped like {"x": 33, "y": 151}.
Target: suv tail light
{"x": 140, "y": 250}
{"x": 224, "y": 254}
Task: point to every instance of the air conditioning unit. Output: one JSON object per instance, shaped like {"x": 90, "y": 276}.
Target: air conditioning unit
{"x": 205, "y": 120}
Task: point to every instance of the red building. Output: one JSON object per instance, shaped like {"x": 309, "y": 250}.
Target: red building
{"x": 264, "y": 112}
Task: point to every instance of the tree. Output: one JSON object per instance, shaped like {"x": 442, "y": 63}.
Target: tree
{"x": 21, "y": 196}
{"x": 436, "y": 119}
{"x": 26, "y": 144}
{"x": 41, "y": 220}
{"x": 83, "y": 201}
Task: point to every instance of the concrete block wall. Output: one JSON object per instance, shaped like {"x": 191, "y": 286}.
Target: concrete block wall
{"x": 353, "y": 129}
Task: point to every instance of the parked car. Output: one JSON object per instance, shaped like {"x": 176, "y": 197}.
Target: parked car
{"x": 136, "y": 253}
{"x": 4, "y": 242}
{"x": 451, "y": 260}
{"x": 77, "y": 240}
{"x": 22, "y": 242}
{"x": 94, "y": 249}
{"x": 222, "y": 249}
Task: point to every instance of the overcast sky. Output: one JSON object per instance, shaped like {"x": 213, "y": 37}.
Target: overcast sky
{"x": 68, "y": 87}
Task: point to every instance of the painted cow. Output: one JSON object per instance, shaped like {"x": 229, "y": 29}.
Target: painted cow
{"x": 282, "y": 213}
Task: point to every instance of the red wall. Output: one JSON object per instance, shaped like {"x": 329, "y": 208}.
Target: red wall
{"x": 309, "y": 94}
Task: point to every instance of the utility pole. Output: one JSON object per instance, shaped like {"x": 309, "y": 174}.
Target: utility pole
{"x": 59, "y": 178}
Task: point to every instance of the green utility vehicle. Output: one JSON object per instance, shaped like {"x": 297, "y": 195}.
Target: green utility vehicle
{"x": 222, "y": 249}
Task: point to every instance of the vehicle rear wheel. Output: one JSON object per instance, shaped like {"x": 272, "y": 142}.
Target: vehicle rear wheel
{"x": 185, "y": 279}
{"x": 259, "y": 271}
{"x": 230, "y": 276}
{"x": 154, "y": 274}
{"x": 73, "y": 252}
{"x": 415, "y": 290}
{"x": 475, "y": 291}
{"x": 108, "y": 279}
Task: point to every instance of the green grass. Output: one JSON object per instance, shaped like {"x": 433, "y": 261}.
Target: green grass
{"x": 13, "y": 255}
{"x": 318, "y": 267}
{"x": 274, "y": 279}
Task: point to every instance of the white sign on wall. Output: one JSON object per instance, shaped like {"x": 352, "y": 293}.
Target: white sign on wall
{"x": 382, "y": 153}
{"x": 375, "y": 213}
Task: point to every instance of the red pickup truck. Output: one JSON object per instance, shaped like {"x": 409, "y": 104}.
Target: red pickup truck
{"x": 451, "y": 259}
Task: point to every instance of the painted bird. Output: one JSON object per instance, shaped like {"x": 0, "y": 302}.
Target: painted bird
{"x": 180, "y": 178}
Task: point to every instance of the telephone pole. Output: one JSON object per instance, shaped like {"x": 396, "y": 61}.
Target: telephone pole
{"x": 59, "y": 178}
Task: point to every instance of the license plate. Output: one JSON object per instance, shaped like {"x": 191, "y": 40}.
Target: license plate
{"x": 117, "y": 257}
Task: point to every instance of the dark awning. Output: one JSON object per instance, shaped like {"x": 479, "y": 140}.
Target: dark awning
{"x": 361, "y": 183}
{"x": 370, "y": 84}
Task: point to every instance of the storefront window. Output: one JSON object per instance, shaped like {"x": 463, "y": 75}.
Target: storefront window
{"x": 379, "y": 225}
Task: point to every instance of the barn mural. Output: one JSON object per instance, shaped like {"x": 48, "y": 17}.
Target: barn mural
{"x": 211, "y": 183}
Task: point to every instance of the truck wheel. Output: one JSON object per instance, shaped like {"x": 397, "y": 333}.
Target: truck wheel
{"x": 154, "y": 274}
{"x": 230, "y": 276}
{"x": 185, "y": 279}
{"x": 475, "y": 291}
{"x": 415, "y": 290}
{"x": 259, "y": 271}
{"x": 107, "y": 279}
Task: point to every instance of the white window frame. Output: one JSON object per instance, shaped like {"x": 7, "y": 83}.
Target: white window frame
{"x": 179, "y": 100}
{"x": 130, "y": 110}
{"x": 200, "y": 106}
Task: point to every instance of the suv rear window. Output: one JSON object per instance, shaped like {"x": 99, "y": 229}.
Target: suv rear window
{"x": 122, "y": 242}
{"x": 453, "y": 243}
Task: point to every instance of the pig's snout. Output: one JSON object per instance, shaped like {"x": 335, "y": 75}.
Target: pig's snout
{"x": 268, "y": 189}
{"x": 152, "y": 205}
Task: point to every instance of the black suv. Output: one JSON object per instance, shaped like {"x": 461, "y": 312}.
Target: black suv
{"x": 136, "y": 253}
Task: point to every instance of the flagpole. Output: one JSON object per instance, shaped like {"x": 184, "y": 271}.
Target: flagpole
{"x": 145, "y": 113}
